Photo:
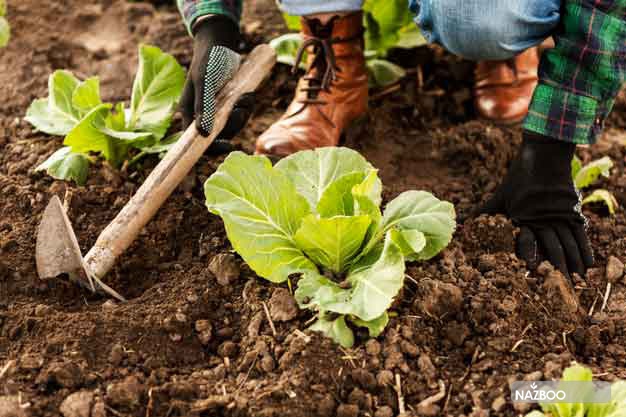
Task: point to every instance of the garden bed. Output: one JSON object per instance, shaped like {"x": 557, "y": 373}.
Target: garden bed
{"x": 466, "y": 323}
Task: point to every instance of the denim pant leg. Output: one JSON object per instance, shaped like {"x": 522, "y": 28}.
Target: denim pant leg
{"x": 486, "y": 29}
{"x": 307, "y": 7}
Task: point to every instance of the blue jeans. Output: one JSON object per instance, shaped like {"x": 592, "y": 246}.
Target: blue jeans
{"x": 474, "y": 29}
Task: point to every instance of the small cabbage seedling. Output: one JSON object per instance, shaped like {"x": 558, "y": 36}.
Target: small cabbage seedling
{"x": 585, "y": 176}
{"x": 316, "y": 214}
{"x": 5, "y": 29}
{"x": 75, "y": 110}
{"x": 615, "y": 408}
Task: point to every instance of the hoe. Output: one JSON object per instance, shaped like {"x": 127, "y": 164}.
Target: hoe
{"x": 57, "y": 251}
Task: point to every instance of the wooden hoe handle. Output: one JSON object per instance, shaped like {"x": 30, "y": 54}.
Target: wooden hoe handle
{"x": 176, "y": 164}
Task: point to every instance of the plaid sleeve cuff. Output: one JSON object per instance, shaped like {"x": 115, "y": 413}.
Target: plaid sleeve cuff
{"x": 566, "y": 116}
{"x": 194, "y": 9}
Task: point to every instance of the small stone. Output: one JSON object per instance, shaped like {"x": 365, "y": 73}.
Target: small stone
{"x": 614, "y": 269}
{"x": 10, "y": 406}
{"x": 64, "y": 374}
{"x": 42, "y": 310}
{"x": 117, "y": 354}
{"x": 428, "y": 410}
{"x": 225, "y": 268}
{"x": 372, "y": 347}
{"x": 348, "y": 410}
{"x": 384, "y": 411}
{"x": 227, "y": 349}
{"x": 560, "y": 292}
{"x": 427, "y": 368}
{"x": 283, "y": 306}
{"x": 109, "y": 305}
{"x": 31, "y": 362}
{"x": 365, "y": 379}
{"x": 128, "y": 394}
{"x": 176, "y": 337}
{"x": 77, "y": 404}
{"x": 267, "y": 363}
{"x": 180, "y": 317}
{"x": 409, "y": 348}
{"x": 498, "y": 404}
{"x": 385, "y": 378}
{"x": 438, "y": 298}
{"x": 205, "y": 331}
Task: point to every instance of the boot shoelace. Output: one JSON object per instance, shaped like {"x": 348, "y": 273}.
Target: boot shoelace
{"x": 323, "y": 67}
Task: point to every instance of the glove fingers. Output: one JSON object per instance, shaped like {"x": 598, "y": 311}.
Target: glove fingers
{"x": 580, "y": 235}
{"x": 572, "y": 251}
{"x": 553, "y": 249}
{"x": 187, "y": 103}
{"x": 527, "y": 247}
{"x": 239, "y": 116}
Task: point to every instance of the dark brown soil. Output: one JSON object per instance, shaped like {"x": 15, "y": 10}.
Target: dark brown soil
{"x": 193, "y": 343}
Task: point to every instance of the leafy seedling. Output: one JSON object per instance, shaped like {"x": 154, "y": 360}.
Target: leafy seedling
{"x": 317, "y": 214}
{"x": 5, "y": 29}
{"x": 74, "y": 109}
{"x": 615, "y": 408}
{"x": 587, "y": 175}
{"x": 388, "y": 24}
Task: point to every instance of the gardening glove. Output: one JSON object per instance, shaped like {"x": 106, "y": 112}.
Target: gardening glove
{"x": 214, "y": 63}
{"x": 539, "y": 196}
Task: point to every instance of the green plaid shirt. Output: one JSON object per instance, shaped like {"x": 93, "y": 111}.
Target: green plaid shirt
{"x": 193, "y": 9}
{"x": 580, "y": 77}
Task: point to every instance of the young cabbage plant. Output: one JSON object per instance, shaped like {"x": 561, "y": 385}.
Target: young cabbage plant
{"x": 585, "y": 176}
{"x": 316, "y": 214}
{"x": 615, "y": 408}
{"x": 5, "y": 29}
{"x": 75, "y": 110}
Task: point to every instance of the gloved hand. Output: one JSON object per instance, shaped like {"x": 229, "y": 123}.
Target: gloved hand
{"x": 539, "y": 196}
{"x": 214, "y": 63}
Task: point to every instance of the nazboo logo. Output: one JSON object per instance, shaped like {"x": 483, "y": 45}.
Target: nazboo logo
{"x": 560, "y": 392}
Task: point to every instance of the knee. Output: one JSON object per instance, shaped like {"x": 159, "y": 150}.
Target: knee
{"x": 488, "y": 29}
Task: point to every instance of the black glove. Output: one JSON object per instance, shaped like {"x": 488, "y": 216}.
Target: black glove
{"x": 214, "y": 63}
{"x": 539, "y": 196}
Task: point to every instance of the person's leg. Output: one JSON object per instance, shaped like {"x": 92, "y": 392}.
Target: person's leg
{"x": 486, "y": 29}
{"x": 333, "y": 92}
{"x": 502, "y": 36}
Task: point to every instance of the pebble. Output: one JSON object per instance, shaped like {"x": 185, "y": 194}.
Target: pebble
{"x": 10, "y": 407}
{"x": 614, "y": 269}
{"x": 372, "y": 347}
{"x": 348, "y": 410}
{"x": 385, "y": 378}
{"x": 225, "y": 268}
{"x": 77, "y": 404}
{"x": 384, "y": 411}
{"x": 227, "y": 349}
{"x": 282, "y": 305}
{"x": 205, "y": 331}
{"x": 498, "y": 404}
{"x": 129, "y": 393}
{"x": 117, "y": 354}
{"x": 42, "y": 310}
{"x": 31, "y": 362}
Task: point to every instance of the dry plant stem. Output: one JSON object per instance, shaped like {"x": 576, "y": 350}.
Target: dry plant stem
{"x": 269, "y": 318}
{"x": 435, "y": 398}
{"x": 398, "y": 388}
{"x": 606, "y": 297}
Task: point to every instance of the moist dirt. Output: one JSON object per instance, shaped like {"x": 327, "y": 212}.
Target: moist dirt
{"x": 195, "y": 339}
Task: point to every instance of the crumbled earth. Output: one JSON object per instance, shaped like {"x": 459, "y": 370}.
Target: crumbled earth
{"x": 195, "y": 339}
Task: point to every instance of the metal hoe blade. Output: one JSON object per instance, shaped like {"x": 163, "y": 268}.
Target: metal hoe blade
{"x": 57, "y": 252}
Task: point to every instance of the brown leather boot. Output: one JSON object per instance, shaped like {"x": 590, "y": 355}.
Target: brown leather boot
{"x": 504, "y": 89}
{"x": 332, "y": 94}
